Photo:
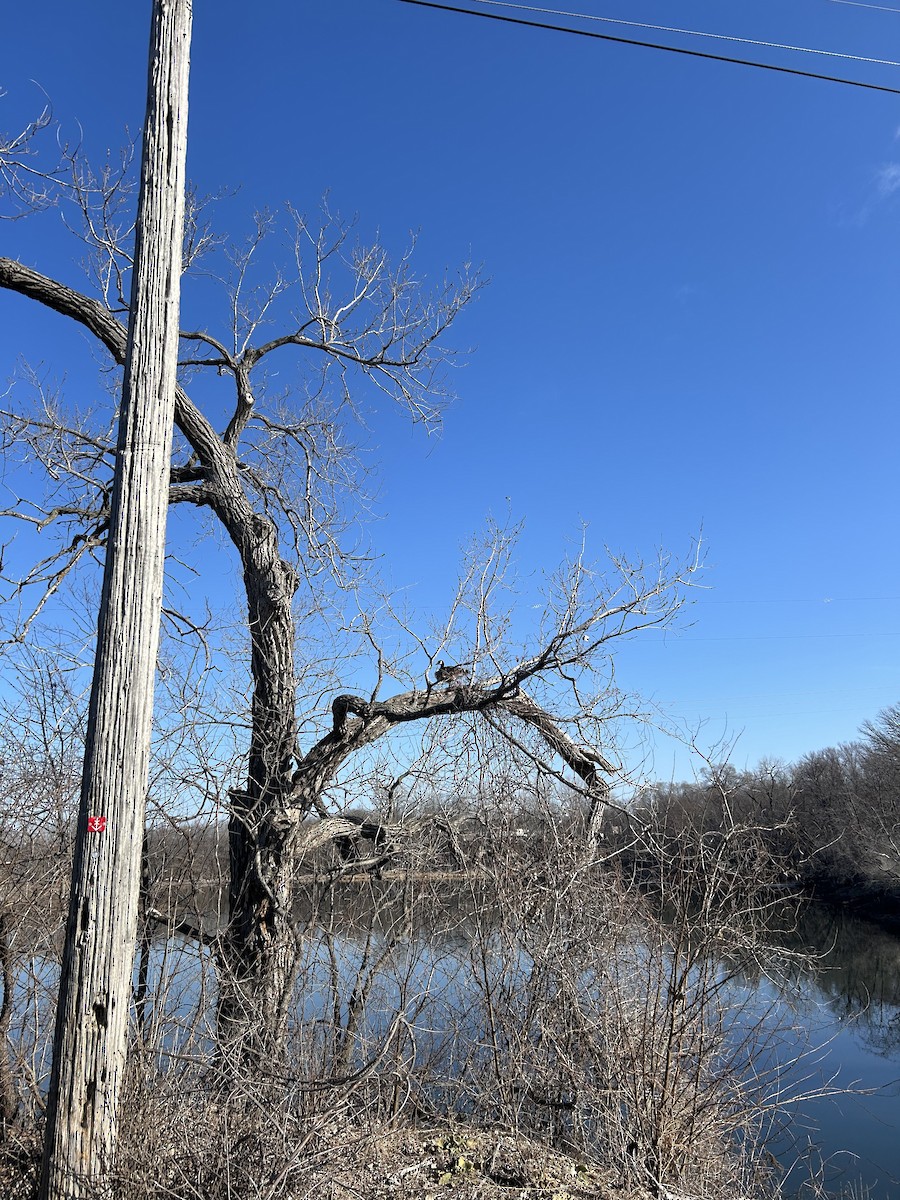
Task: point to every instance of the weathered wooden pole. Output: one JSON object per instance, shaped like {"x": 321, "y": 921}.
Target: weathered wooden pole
{"x": 95, "y": 990}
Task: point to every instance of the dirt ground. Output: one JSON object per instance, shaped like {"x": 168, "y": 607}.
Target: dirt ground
{"x": 417, "y": 1165}
{"x": 395, "y": 1165}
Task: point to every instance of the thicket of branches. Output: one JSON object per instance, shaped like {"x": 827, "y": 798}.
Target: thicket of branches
{"x": 500, "y": 1010}
{"x": 831, "y": 821}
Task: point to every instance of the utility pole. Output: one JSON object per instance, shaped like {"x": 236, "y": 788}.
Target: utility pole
{"x": 90, "y": 1043}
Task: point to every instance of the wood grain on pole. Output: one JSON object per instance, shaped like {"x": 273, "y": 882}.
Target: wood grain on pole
{"x": 95, "y": 991}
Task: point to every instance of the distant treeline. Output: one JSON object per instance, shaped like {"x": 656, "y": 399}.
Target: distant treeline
{"x": 828, "y": 825}
{"x": 830, "y": 821}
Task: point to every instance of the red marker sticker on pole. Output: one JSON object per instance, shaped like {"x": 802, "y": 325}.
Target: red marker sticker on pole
{"x": 96, "y": 824}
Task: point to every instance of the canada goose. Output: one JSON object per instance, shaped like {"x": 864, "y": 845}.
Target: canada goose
{"x": 445, "y": 674}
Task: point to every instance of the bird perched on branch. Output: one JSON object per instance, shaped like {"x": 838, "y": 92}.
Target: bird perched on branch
{"x": 454, "y": 674}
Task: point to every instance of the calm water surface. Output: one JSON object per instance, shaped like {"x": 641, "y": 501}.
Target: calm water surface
{"x": 848, "y": 1007}
{"x": 835, "y": 1020}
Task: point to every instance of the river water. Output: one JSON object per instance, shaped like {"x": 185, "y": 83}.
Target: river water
{"x": 847, "y": 1005}
{"x": 835, "y": 1031}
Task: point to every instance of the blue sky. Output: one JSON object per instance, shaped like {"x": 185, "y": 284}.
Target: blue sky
{"x": 692, "y": 321}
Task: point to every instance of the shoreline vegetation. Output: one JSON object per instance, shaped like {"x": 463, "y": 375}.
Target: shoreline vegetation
{"x": 530, "y": 1027}
{"x": 362, "y": 1115}
{"x": 828, "y": 825}
{"x": 486, "y": 1005}
{"x": 342, "y": 1163}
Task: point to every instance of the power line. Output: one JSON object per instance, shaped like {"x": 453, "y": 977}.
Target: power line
{"x": 860, "y": 4}
{"x": 719, "y": 37}
{"x": 623, "y": 41}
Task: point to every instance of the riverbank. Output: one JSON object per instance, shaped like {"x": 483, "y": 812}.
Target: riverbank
{"x": 865, "y": 899}
{"x": 366, "y": 1164}
{"x": 541, "y": 999}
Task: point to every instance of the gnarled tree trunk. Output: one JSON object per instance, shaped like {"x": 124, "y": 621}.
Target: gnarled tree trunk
{"x": 258, "y": 947}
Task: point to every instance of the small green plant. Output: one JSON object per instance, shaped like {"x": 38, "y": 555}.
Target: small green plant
{"x": 453, "y": 1147}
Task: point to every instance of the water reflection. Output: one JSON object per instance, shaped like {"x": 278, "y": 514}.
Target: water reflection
{"x": 857, "y": 971}
{"x": 415, "y": 957}
{"x": 848, "y": 999}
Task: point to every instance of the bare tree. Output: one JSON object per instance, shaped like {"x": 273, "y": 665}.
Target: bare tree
{"x": 277, "y": 477}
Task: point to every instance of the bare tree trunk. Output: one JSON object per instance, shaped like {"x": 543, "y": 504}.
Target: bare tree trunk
{"x": 259, "y": 944}
{"x": 95, "y": 990}
{"x": 266, "y": 831}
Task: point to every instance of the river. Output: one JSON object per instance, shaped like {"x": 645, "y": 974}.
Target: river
{"x": 834, "y": 1021}
{"x": 847, "y": 1007}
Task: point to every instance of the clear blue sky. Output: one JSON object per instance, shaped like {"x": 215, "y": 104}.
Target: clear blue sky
{"x": 694, "y": 311}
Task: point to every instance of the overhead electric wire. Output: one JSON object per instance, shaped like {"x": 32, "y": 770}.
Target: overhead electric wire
{"x": 623, "y": 41}
{"x": 860, "y": 4}
{"x": 719, "y": 37}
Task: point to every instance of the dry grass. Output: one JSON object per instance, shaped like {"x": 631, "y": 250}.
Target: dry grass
{"x": 336, "y": 1162}
{"x": 530, "y": 1027}
{"x": 340, "y": 1159}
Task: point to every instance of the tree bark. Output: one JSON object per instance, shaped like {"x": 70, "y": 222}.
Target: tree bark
{"x": 257, "y": 955}
{"x": 95, "y": 990}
